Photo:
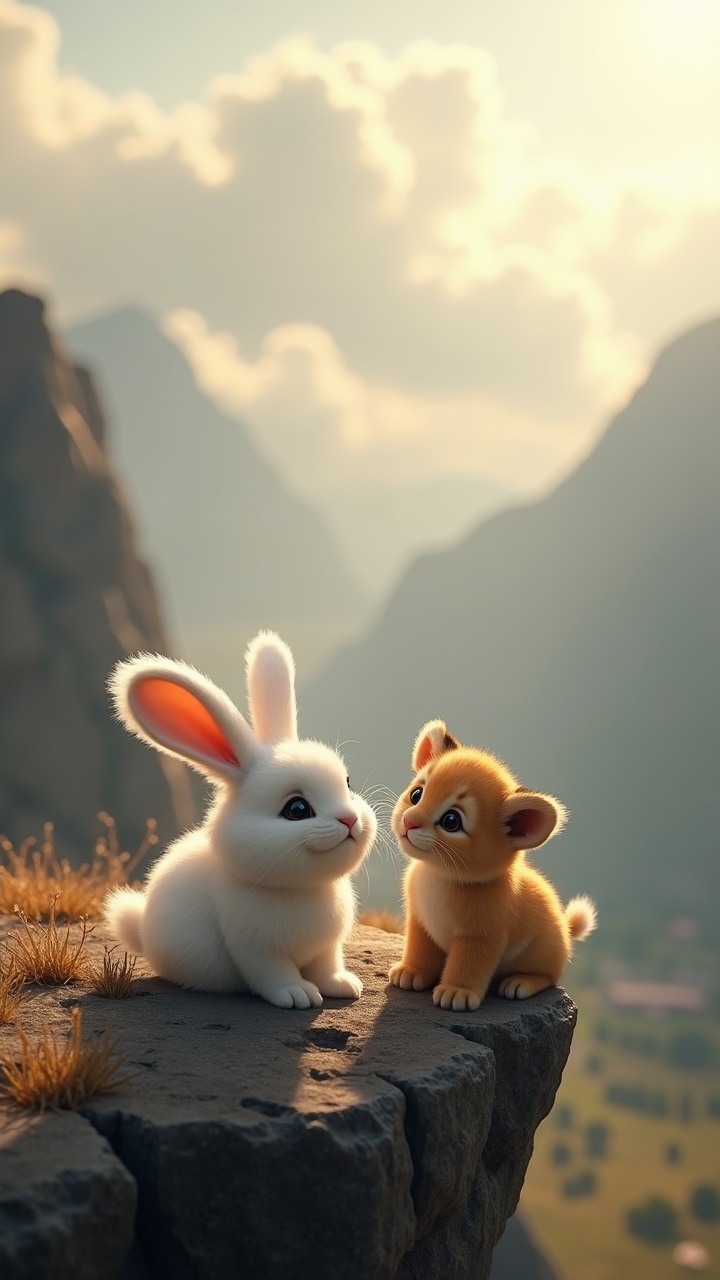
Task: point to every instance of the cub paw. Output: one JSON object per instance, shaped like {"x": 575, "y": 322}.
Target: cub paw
{"x": 519, "y": 986}
{"x": 298, "y": 995}
{"x": 410, "y": 979}
{"x": 456, "y": 998}
{"x": 343, "y": 986}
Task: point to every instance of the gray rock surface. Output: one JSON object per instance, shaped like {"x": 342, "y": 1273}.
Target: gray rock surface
{"x": 75, "y": 598}
{"x": 517, "y": 1255}
{"x": 370, "y": 1140}
{"x": 67, "y": 1204}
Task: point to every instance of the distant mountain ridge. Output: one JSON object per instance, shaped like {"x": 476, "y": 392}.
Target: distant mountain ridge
{"x": 385, "y": 525}
{"x": 76, "y": 597}
{"x": 231, "y": 544}
{"x": 578, "y": 637}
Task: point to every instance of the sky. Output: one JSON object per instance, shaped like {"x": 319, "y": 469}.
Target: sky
{"x": 398, "y": 240}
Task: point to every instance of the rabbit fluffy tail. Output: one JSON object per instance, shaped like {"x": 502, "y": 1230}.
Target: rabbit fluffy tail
{"x": 581, "y": 915}
{"x": 124, "y": 910}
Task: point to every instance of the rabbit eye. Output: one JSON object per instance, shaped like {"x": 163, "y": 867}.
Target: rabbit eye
{"x": 296, "y": 809}
{"x": 416, "y": 795}
{"x": 451, "y": 821}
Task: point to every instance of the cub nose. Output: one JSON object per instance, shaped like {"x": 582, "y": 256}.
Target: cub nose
{"x": 410, "y": 826}
{"x": 348, "y": 820}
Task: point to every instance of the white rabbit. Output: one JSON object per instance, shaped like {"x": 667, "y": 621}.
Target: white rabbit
{"x": 258, "y": 897}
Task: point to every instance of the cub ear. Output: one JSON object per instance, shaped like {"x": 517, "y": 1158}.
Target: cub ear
{"x": 529, "y": 818}
{"x": 432, "y": 741}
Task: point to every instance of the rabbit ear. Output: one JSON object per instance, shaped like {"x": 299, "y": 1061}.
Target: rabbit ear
{"x": 271, "y": 688}
{"x": 433, "y": 740}
{"x": 174, "y": 708}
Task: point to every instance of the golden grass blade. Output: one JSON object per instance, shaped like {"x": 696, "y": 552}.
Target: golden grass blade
{"x": 61, "y": 1074}
{"x": 44, "y": 954}
{"x": 12, "y": 988}
{"x": 114, "y": 980}
{"x": 30, "y": 877}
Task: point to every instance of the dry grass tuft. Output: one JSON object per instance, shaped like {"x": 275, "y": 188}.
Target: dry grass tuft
{"x": 30, "y": 878}
{"x": 61, "y": 1074}
{"x": 114, "y": 980}
{"x": 12, "y": 987}
{"x": 382, "y": 919}
{"x": 43, "y": 953}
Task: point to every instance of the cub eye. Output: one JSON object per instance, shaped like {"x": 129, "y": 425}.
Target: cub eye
{"x": 348, "y": 782}
{"x": 416, "y": 795}
{"x": 296, "y": 809}
{"x": 451, "y": 821}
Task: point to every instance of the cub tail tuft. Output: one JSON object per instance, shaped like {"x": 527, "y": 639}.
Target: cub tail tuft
{"x": 581, "y": 915}
{"x": 123, "y": 912}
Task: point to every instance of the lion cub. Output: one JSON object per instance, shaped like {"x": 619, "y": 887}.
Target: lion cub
{"x": 475, "y": 910}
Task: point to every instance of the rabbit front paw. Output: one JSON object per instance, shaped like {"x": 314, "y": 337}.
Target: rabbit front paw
{"x": 297, "y": 995}
{"x": 343, "y": 985}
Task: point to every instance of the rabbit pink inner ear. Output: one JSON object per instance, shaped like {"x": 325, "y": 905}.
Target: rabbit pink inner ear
{"x": 178, "y": 718}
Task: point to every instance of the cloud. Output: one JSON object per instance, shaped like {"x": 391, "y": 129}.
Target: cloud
{"x": 322, "y": 425}
{"x": 353, "y": 249}
{"x": 661, "y": 264}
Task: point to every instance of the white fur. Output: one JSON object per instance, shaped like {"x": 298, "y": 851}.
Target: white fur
{"x": 127, "y": 907}
{"x": 271, "y": 688}
{"x": 581, "y": 915}
{"x": 123, "y": 682}
{"x": 249, "y": 900}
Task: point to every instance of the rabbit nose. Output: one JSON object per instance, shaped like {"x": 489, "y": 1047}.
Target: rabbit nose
{"x": 348, "y": 820}
{"x": 410, "y": 826}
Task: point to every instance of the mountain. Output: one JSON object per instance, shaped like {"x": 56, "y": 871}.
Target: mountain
{"x": 384, "y": 525}
{"x": 578, "y": 638}
{"x": 234, "y": 550}
{"x": 76, "y": 597}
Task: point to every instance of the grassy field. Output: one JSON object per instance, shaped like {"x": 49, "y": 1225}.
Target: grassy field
{"x": 587, "y": 1236}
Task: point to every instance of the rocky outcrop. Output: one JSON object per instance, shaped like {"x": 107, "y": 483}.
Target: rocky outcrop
{"x": 66, "y": 1202}
{"x": 75, "y": 598}
{"x": 363, "y": 1141}
{"x": 518, "y": 1257}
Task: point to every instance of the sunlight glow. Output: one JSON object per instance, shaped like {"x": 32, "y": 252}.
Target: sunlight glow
{"x": 685, "y": 34}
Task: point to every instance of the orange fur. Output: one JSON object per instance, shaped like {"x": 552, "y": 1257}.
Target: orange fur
{"x": 476, "y": 910}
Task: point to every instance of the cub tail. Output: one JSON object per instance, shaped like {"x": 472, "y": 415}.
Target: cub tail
{"x": 581, "y": 915}
{"x": 123, "y": 912}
